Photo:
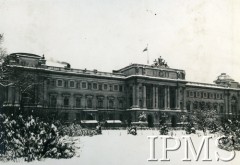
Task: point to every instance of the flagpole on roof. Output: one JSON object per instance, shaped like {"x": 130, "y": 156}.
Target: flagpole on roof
{"x": 147, "y": 55}
{"x": 146, "y": 49}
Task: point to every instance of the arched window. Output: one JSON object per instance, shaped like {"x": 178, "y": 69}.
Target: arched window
{"x": 66, "y": 101}
{"x": 78, "y": 102}
{"x": 53, "y": 101}
{"x": 188, "y": 106}
{"x": 100, "y": 103}
{"x": 120, "y": 104}
{"x": 111, "y": 104}
{"x": 89, "y": 103}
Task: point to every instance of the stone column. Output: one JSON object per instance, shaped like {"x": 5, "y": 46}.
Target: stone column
{"x": 184, "y": 98}
{"x": 165, "y": 97}
{"x": 45, "y": 93}
{"x": 168, "y": 98}
{"x": 230, "y": 104}
{"x": 238, "y": 105}
{"x": 153, "y": 97}
{"x": 137, "y": 95}
{"x": 226, "y": 102}
{"x": 144, "y": 96}
{"x": 134, "y": 95}
{"x": 177, "y": 98}
{"x": 10, "y": 94}
{"x": 16, "y": 103}
{"x": 156, "y": 97}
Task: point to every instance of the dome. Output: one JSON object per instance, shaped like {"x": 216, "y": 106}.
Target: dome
{"x": 223, "y": 79}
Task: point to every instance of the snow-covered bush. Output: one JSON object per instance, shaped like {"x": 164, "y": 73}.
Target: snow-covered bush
{"x": 32, "y": 139}
{"x": 231, "y": 135}
{"x": 77, "y": 130}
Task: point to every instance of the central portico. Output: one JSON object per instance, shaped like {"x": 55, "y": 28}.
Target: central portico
{"x": 154, "y": 89}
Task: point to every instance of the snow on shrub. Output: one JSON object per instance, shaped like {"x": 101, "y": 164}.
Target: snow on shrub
{"x": 32, "y": 139}
{"x": 231, "y": 136}
{"x": 77, "y": 130}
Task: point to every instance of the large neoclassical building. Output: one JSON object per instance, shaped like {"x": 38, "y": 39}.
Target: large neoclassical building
{"x": 83, "y": 95}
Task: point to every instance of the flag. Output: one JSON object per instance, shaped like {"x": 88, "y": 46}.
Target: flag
{"x": 145, "y": 49}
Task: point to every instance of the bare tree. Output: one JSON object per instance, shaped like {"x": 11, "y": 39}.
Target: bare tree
{"x": 23, "y": 82}
{"x": 2, "y": 56}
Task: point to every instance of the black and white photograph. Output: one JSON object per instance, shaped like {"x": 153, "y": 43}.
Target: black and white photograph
{"x": 119, "y": 82}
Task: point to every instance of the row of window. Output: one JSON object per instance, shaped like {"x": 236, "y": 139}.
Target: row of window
{"x": 204, "y": 105}
{"x": 85, "y": 85}
{"x": 88, "y": 116}
{"x": 89, "y": 102}
{"x": 205, "y": 95}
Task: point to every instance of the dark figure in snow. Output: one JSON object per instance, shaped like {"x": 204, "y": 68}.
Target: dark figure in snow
{"x": 132, "y": 130}
{"x": 99, "y": 129}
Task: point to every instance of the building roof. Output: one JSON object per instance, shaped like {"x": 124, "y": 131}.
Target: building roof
{"x": 29, "y": 55}
{"x": 224, "y": 77}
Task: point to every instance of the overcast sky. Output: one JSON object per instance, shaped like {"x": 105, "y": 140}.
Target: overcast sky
{"x": 200, "y": 36}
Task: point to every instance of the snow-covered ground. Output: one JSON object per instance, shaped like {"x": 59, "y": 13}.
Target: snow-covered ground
{"x": 116, "y": 147}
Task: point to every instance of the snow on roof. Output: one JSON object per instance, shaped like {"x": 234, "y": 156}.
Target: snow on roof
{"x": 89, "y": 121}
{"x": 56, "y": 64}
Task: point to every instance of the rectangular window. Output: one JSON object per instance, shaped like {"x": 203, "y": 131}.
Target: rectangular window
{"x": 120, "y": 88}
{"x": 105, "y": 86}
{"x": 100, "y": 87}
{"x": 59, "y": 83}
{"x": 89, "y": 85}
{"x": 89, "y": 103}
{"x": 116, "y": 87}
{"x": 121, "y": 104}
{"x": 100, "y": 103}
{"x": 94, "y": 85}
{"x": 78, "y": 102}
{"x": 72, "y": 84}
{"x": 53, "y": 101}
{"x": 84, "y": 85}
{"x": 191, "y": 94}
{"x": 66, "y": 101}
{"x": 110, "y": 87}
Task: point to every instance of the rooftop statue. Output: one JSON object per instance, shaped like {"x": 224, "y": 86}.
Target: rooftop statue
{"x": 160, "y": 62}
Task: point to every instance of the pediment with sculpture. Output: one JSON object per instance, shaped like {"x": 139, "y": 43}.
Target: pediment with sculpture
{"x": 160, "y": 63}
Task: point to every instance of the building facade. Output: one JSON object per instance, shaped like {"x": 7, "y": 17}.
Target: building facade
{"x": 90, "y": 95}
